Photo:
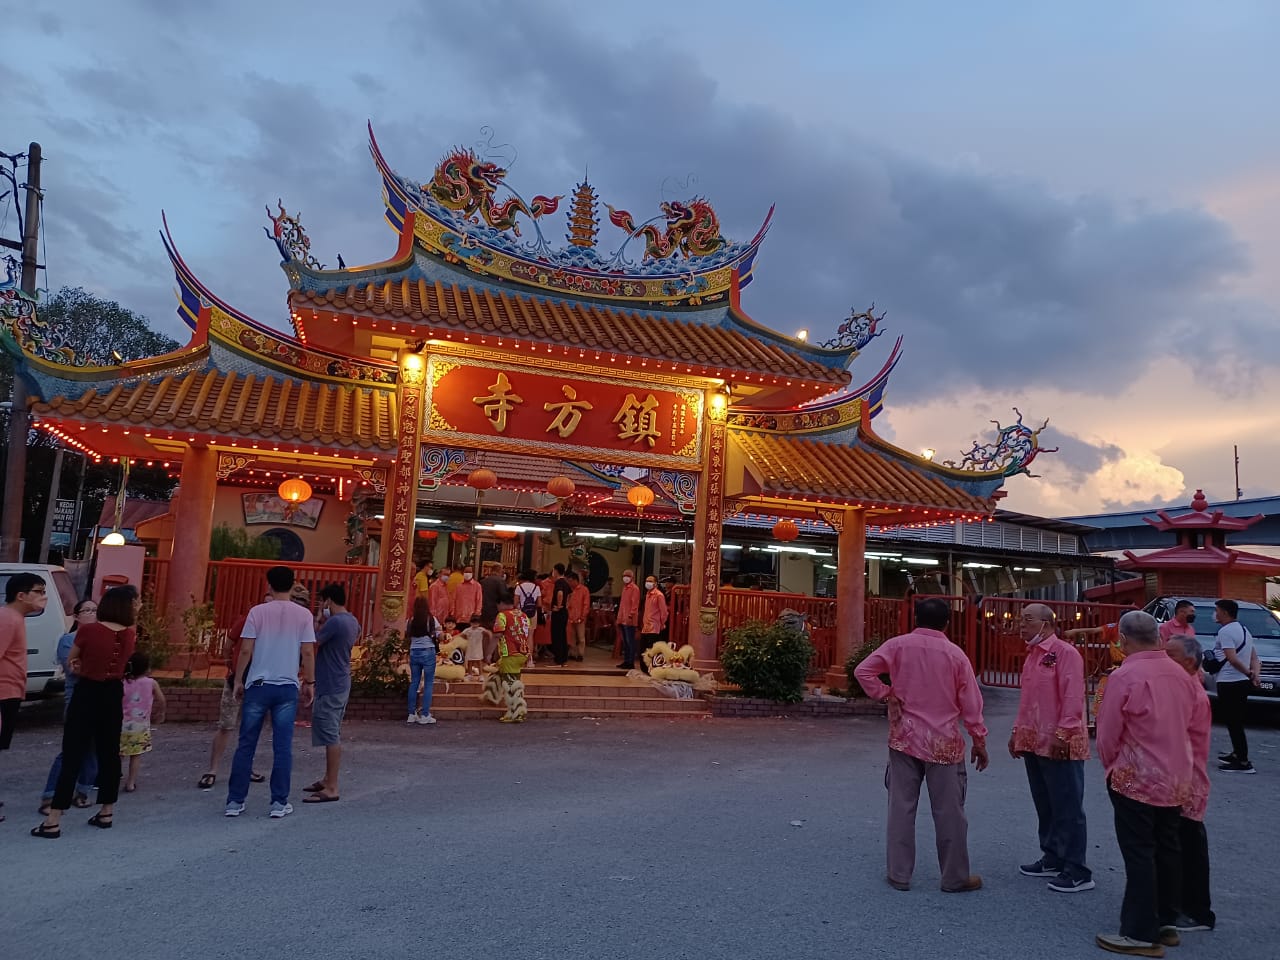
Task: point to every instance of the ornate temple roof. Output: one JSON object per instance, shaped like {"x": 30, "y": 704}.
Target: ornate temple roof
{"x": 267, "y": 408}
{"x": 858, "y": 475}
{"x": 453, "y": 312}
{"x": 1202, "y": 519}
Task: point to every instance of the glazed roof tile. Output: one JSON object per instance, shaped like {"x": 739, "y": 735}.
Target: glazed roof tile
{"x": 849, "y": 473}
{"x": 248, "y": 405}
{"x": 499, "y": 313}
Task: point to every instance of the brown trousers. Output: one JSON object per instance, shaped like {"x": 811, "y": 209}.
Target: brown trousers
{"x": 947, "y": 784}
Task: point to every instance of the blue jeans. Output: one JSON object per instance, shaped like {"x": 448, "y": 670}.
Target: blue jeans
{"x": 629, "y": 645}
{"x": 1057, "y": 789}
{"x": 88, "y": 778}
{"x": 422, "y": 669}
{"x": 281, "y": 701}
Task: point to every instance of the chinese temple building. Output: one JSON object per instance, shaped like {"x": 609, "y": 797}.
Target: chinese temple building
{"x": 1200, "y": 565}
{"x": 487, "y": 381}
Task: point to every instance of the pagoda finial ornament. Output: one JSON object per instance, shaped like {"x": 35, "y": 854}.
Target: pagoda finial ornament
{"x": 1199, "y": 502}
{"x": 583, "y": 224}
{"x": 1011, "y": 453}
{"x": 858, "y": 329}
{"x": 291, "y": 240}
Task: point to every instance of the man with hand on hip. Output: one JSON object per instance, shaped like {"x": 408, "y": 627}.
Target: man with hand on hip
{"x": 931, "y": 691}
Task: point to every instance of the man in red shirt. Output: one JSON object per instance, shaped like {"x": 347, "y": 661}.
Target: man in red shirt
{"x": 931, "y": 690}
{"x": 1184, "y": 615}
{"x": 25, "y": 594}
{"x": 1144, "y": 747}
{"x": 629, "y": 619}
{"x": 579, "y": 607}
{"x": 468, "y": 598}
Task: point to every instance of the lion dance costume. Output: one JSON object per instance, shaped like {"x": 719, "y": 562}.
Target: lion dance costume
{"x": 512, "y": 632}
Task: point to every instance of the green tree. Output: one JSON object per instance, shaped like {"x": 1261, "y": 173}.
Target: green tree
{"x": 226, "y": 543}
{"x": 99, "y": 330}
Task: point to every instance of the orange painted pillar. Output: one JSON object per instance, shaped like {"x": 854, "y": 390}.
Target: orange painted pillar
{"x": 189, "y": 561}
{"x": 851, "y": 593}
{"x": 704, "y": 585}
{"x": 401, "y": 505}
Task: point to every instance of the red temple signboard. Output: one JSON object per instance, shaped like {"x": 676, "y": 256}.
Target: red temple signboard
{"x": 570, "y": 413}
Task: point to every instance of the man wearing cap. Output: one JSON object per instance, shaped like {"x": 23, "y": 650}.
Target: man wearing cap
{"x": 629, "y": 619}
{"x": 276, "y": 636}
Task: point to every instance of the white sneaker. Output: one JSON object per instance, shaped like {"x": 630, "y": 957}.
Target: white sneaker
{"x": 427, "y": 719}
{"x": 413, "y": 718}
{"x": 279, "y": 810}
{"x": 234, "y": 809}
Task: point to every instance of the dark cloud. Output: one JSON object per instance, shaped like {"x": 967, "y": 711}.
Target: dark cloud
{"x": 1080, "y": 457}
{"x": 995, "y": 281}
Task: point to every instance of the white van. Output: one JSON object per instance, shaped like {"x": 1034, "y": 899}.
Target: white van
{"x": 44, "y": 629}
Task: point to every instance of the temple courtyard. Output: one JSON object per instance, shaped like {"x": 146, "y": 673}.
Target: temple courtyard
{"x": 584, "y": 838}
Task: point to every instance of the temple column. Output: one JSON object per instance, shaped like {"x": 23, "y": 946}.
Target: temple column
{"x": 851, "y": 591}
{"x": 401, "y": 505}
{"x": 189, "y": 560}
{"x": 704, "y": 580}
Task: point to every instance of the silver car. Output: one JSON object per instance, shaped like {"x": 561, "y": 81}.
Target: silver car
{"x": 1260, "y": 621}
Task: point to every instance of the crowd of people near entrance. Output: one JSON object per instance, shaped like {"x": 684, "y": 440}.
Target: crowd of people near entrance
{"x": 1153, "y": 741}
{"x": 558, "y": 605}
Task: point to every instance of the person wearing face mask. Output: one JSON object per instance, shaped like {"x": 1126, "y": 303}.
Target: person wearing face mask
{"x": 1184, "y": 615}
{"x": 1049, "y": 735}
{"x": 468, "y": 599}
{"x": 629, "y": 619}
{"x": 655, "y": 614}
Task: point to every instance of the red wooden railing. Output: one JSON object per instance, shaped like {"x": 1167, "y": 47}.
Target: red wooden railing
{"x": 997, "y": 650}
{"x": 986, "y": 631}
{"x": 236, "y": 585}
{"x": 741, "y": 606}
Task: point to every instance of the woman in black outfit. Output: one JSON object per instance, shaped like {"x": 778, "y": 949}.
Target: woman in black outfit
{"x": 99, "y": 658}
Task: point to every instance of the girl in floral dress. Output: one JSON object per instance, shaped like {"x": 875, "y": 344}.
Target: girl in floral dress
{"x": 142, "y": 697}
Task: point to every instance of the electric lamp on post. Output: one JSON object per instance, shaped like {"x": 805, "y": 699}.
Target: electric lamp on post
{"x": 719, "y": 405}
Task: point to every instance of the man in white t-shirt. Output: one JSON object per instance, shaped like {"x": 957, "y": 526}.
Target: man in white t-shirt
{"x": 277, "y": 635}
{"x": 1239, "y": 675}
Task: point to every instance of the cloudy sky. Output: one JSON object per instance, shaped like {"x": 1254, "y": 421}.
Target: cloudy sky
{"x": 1070, "y": 208}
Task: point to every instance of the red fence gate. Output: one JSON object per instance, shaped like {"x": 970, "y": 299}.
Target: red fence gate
{"x": 234, "y": 586}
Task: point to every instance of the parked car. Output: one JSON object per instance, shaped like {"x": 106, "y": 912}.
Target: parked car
{"x": 44, "y": 629}
{"x": 1260, "y": 621}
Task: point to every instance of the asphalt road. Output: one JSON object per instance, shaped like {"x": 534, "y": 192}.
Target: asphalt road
{"x": 708, "y": 839}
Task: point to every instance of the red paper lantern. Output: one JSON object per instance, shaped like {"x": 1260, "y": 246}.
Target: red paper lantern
{"x": 459, "y": 537}
{"x": 427, "y": 534}
{"x": 295, "y": 491}
{"x": 785, "y": 530}
{"x": 640, "y": 497}
{"x": 505, "y": 534}
{"x": 561, "y": 487}
{"x": 481, "y": 480}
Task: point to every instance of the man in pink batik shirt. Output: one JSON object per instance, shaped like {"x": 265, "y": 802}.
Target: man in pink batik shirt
{"x": 1144, "y": 747}
{"x": 931, "y": 690}
{"x": 1051, "y": 738}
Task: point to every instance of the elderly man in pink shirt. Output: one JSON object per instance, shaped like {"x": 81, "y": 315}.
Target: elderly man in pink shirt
{"x": 1197, "y": 912}
{"x": 1050, "y": 736}
{"x": 931, "y": 690}
{"x": 1149, "y": 759}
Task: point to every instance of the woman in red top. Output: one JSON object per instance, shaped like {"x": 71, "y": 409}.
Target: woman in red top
{"x": 98, "y": 657}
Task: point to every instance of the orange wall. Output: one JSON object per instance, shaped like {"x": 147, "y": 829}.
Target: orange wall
{"x": 324, "y": 544}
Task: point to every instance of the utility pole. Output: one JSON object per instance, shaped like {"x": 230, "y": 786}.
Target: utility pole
{"x": 55, "y": 486}
{"x": 15, "y": 467}
{"x": 1235, "y": 449}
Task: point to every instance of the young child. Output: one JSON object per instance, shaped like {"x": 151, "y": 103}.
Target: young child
{"x": 478, "y": 640}
{"x": 142, "y": 698}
